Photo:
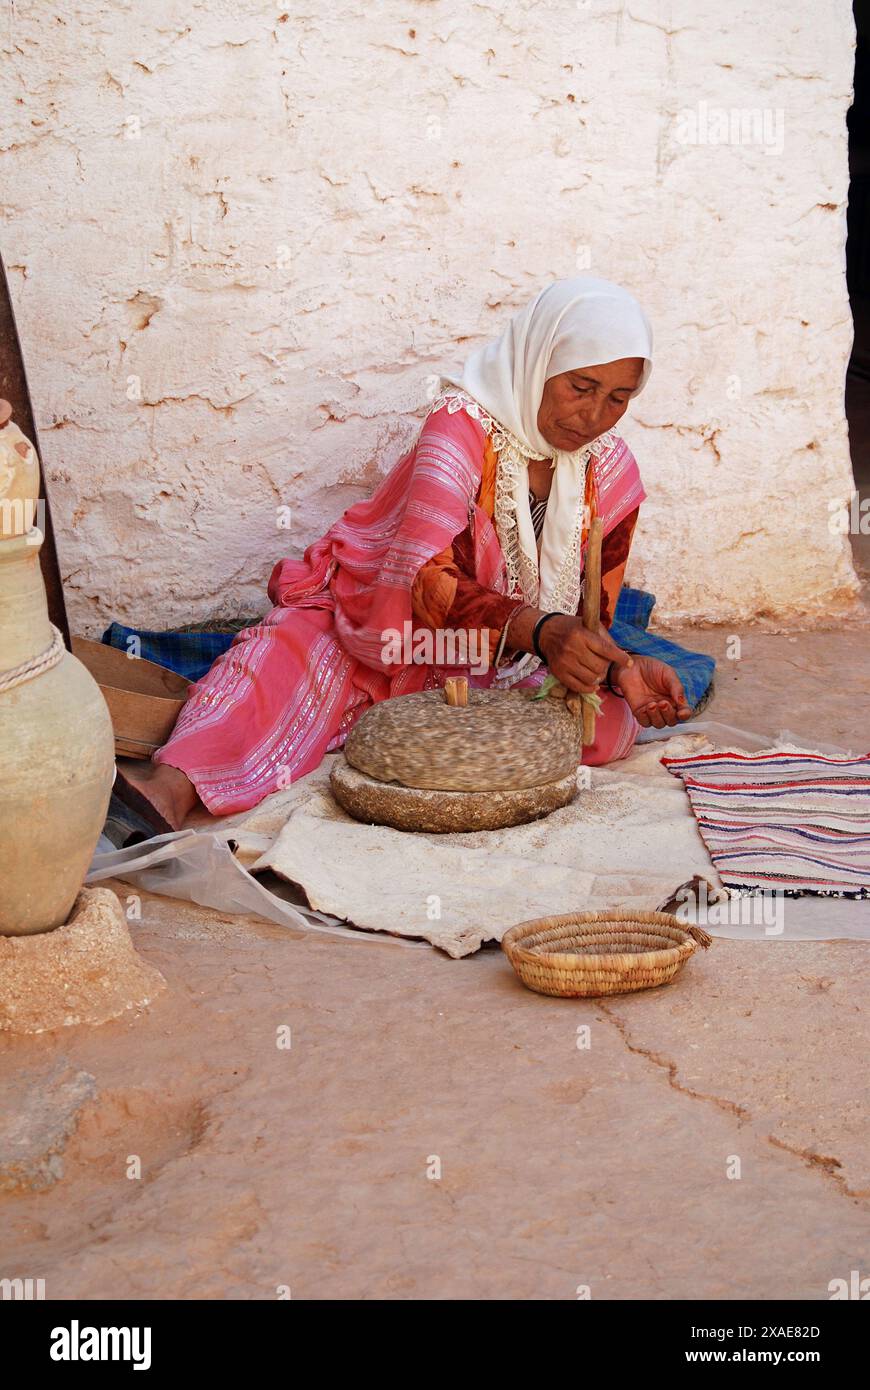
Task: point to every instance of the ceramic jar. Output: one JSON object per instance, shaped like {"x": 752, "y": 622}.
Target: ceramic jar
{"x": 56, "y": 741}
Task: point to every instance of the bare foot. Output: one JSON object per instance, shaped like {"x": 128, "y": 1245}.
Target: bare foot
{"x": 162, "y": 795}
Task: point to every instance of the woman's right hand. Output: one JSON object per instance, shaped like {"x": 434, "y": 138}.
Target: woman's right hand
{"x": 576, "y": 657}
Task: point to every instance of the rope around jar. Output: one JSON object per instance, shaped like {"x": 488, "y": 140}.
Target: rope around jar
{"x": 36, "y": 665}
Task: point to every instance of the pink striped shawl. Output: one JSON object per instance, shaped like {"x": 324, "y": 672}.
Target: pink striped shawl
{"x": 365, "y": 565}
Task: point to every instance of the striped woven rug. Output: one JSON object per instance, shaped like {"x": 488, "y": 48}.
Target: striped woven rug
{"x": 785, "y": 819}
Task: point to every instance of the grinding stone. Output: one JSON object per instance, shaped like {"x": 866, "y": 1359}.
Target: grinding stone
{"x": 434, "y": 810}
{"x": 502, "y": 740}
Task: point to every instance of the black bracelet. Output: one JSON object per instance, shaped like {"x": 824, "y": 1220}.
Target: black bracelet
{"x": 536, "y": 631}
{"x": 608, "y": 682}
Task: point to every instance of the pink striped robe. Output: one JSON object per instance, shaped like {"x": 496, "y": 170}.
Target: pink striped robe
{"x": 291, "y": 688}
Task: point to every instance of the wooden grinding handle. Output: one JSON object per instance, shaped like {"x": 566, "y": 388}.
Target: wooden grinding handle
{"x": 456, "y": 690}
{"x": 592, "y": 609}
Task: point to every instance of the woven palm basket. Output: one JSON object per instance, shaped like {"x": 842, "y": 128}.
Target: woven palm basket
{"x": 582, "y": 955}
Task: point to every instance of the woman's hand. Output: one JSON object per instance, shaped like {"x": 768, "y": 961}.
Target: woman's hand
{"x": 653, "y": 691}
{"x": 579, "y": 659}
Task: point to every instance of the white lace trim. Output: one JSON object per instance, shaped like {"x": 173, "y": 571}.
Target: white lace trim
{"x": 522, "y": 570}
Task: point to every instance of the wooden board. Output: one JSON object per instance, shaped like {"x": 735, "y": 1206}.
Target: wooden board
{"x": 144, "y": 699}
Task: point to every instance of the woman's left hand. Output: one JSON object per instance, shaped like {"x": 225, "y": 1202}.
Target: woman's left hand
{"x": 654, "y": 692}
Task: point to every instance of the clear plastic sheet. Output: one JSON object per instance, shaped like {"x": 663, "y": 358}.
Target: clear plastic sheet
{"x": 778, "y": 918}
{"x": 200, "y": 867}
{"x": 726, "y": 736}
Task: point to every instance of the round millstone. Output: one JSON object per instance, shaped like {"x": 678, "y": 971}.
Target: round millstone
{"x": 434, "y": 810}
{"x": 502, "y": 740}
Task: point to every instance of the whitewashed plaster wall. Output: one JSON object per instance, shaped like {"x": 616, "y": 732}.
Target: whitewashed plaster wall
{"x": 243, "y": 237}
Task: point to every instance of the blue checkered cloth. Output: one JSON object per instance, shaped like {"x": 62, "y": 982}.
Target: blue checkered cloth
{"x": 189, "y": 653}
{"x": 192, "y": 653}
{"x": 629, "y": 631}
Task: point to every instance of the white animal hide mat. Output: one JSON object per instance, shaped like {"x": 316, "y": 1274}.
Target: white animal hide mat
{"x": 629, "y": 840}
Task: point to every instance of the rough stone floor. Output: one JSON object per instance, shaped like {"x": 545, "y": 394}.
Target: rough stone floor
{"x": 560, "y": 1167}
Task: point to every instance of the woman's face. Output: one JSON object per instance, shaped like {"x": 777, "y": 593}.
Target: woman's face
{"x": 579, "y": 405}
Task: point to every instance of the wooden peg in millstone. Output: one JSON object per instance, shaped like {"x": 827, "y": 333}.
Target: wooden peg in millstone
{"x": 456, "y": 690}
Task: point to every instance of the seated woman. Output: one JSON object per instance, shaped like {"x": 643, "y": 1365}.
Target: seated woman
{"x": 480, "y": 528}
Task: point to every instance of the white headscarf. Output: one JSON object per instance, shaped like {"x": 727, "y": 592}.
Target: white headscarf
{"x": 571, "y": 324}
